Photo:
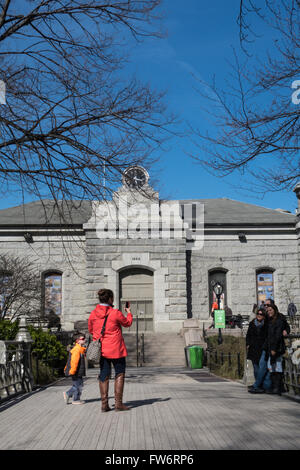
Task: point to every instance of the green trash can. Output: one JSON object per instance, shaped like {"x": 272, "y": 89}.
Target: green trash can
{"x": 196, "y": 357}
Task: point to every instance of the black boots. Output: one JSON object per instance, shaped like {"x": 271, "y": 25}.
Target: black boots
{"x": 276, "y": 378}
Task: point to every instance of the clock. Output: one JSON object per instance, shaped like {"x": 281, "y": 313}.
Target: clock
{"x": 135, "y": 177}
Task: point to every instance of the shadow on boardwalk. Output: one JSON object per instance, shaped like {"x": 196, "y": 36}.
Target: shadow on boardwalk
{"x": 171, "y": 409}
{"x": 132, "y": 404}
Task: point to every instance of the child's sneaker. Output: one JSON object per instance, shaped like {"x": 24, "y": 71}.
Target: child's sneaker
{"x": 66, "y": 398}
{"x": 78, "y": 402}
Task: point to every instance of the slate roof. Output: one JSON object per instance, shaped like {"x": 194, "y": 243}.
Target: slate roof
{"x": 220, "y": 211}
{"x": 225, "y": 211}
{"x": 46, "y": 213}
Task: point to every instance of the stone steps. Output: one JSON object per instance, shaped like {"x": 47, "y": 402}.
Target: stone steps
{"x": 161, "y": 349}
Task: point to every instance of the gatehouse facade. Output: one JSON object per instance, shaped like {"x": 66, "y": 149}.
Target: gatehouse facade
{"x": 162, "y": 256}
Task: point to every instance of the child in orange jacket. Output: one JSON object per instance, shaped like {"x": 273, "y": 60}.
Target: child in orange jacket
{"x": 75, "y": 368}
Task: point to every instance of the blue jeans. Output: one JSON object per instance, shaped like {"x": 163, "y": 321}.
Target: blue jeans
{"x": 105, "y": 367}
{"x": 76, "y": 389}
{"x": 275, "y": 366}
{"x": 255, "y": 369}
{"x": 263, "y": 379}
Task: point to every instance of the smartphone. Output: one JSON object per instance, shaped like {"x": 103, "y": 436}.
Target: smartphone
{"x": 127, "y": 305}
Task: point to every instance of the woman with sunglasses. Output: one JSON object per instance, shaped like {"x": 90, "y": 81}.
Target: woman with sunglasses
{"x": 255, "y": 339}
{"x": 275, "y": 347}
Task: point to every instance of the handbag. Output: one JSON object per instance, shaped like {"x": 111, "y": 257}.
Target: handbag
{"x": 93, "y": 352}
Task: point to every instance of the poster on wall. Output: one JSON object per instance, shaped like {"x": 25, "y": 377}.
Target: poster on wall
{"x": 264, "y": 287}
{"x": 53, "y": 295}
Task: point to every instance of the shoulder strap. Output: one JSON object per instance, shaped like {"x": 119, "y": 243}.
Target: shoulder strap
{"x": 103, "y": 327}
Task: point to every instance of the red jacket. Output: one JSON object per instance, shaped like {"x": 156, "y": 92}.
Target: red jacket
{"x": 113, "y": 345}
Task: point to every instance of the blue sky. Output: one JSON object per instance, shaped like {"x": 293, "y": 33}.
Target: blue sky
{"x": 199, "y": 41}
{"x": 199, "y": 44}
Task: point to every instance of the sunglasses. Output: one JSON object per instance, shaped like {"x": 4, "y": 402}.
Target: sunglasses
{"x": 261, "y": 314}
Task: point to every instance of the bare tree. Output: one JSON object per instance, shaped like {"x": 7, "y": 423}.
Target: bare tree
{"x": 20, "y": 288}
{"x": 256, "y": 116}
{"x": 288, "y": 290}
{"x": 73, "y": 120}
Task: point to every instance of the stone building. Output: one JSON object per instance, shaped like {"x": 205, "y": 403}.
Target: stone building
{"x": 163, "y": 256}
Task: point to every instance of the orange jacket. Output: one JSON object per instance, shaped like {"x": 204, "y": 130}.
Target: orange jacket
{"x": 76, "y": 354}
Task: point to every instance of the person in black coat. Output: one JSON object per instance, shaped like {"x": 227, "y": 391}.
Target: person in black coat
{"x": 275, "y": 347}
{"x": 255, "y": 338}
{"x": 264, "y": 381}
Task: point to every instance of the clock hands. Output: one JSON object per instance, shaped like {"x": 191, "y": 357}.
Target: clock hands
{"x": 139, "y": 179}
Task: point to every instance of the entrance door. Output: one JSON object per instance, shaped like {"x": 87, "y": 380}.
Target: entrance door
{"x": 136, "y": 285}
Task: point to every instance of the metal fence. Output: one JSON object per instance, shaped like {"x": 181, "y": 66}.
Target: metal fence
{"x": 231, "y": 364}
{"x": 15, "y": 369}
{"x": 291, "y": 370}
{"x": 294, "y": 323}
{"x": 45, "y": 370}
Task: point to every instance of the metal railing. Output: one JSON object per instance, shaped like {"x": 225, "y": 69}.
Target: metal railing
{"x": 45, "y": 370}
{"x": 232, "y": 362}
{"x": 140, "y": 344}
{"x": 294, "y": 323}
{"x": 15, "y": 369}
{"x": 142, "y": 349}
{"x": 291, "y": 371}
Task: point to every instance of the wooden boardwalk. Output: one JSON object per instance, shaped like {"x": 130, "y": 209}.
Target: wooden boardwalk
{"x": 172, "y": 409}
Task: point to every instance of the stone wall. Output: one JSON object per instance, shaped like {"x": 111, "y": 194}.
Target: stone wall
{"x": 180, "y": 277}
{"x": 53, "y": 252}
{"x": 242, "y": 260}
{"x": 166, "y": 258}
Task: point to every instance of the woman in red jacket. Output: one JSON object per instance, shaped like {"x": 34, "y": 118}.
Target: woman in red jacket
{"x": 113, "y": 346}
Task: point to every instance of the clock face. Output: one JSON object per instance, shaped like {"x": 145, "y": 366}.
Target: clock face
{"x": 135, "y": 177}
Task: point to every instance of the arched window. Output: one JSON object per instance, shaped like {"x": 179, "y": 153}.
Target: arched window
{"x": 52, "y": 292}
{"x": 217, "y": 275}
{"x": 264, "y": 284}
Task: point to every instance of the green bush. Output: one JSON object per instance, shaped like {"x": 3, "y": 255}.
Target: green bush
{"x": 232, "y": 345}
{"x": 49, "y": 356}
{"x": 42, "y": 373}
{"x": 8, "y": 330}
{"x": 46, "y": 346}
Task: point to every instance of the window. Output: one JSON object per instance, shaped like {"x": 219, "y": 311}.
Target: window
{"x": 217, "y": 275}
{"x": 264, "y": 285}
{"x": 52, "y": 292}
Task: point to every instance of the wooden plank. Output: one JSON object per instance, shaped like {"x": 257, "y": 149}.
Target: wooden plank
{"x": 198, "y": 415}
{"x": 107, "y": 435}
{"x": 191, "y": 426}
